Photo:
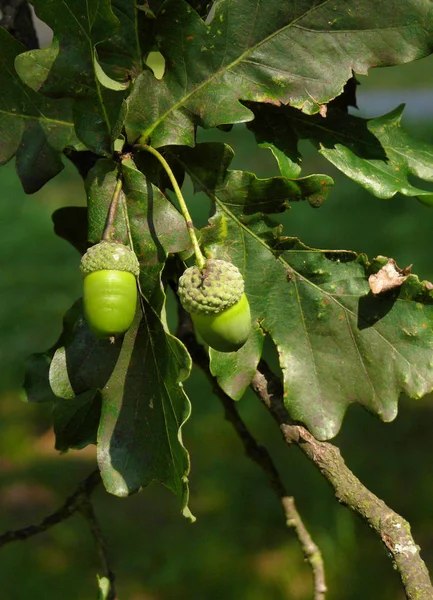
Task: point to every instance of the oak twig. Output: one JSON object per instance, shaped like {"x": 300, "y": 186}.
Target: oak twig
{"x": 393, "y": 529}
{"x": 80, "y": 502}
{"x": 111, "y": 217}
{"x": 68, "y": 508}
{"x": 260, "y": 455}
{"x": 89, "y": 514}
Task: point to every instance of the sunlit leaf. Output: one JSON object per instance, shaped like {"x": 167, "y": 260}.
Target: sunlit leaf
{"x": 297, "y": 53}
{"x": 337, "y": 342}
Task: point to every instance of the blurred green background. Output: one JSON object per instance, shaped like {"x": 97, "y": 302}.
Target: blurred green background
{"x": 239, "y": 547}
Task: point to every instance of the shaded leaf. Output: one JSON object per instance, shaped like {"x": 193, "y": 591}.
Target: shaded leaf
{"x": 37, "y": 369}
{"x": 70, "y": 223}
{"x": 68, "y": 68}
{"x": 122, "y": 56}
{"x": 100, "y": 185}
{"x": 36, "y": 382}
{"x": 253, "y": 195}
{"x": 337, "y": 343}
{"x": 32, "y": 127}
{"x": 144, "y": 407}
{"x": 376, "y": 153}
{"x": 156, "y": 226}
{"x": 157, "y": 229}
{"x": 76, "y": 421}
{"x": 297, "y": 53}
{"x": 84, "y": 362}
{"x": 138, "y": 379}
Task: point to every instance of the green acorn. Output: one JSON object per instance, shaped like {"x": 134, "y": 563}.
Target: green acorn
{"x": 110, "y": 274}
{"x": 214, "y": 296}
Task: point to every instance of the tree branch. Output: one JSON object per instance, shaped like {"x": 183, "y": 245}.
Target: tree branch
{"x": 70, "y": 506}
{"x": 80, "y": 502}
{"x": 89, "y": 514}
{"x": 393, "y": 530}
{"x": 260, "y": 455}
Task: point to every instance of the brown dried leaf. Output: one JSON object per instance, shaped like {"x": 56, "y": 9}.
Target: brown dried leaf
{"x": 388, "y": 277}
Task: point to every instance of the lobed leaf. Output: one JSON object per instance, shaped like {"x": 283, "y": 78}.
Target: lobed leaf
{"x": 32, "y": 128}
{"x": 297, "y": 53}
{"x": 143, "y": 410}
{"x": 337, "y": 342}
{"x": 127, "y": 397}
{"x": 69, "y": 67}
{"x": 376, "y": 153}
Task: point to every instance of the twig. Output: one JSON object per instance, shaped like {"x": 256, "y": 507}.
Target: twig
{"x": 80, "y": 502}
{"x": 393, "y": 530}
{"x": 89, "y": 514}
{"x": 260, "y": 455}
{"x": 70, "y": 506}
{"x": 109, "y": 226}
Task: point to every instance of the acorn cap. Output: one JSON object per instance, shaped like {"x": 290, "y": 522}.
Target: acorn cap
{"x": 109, "y": 256}
{"x": 212, "y": 289}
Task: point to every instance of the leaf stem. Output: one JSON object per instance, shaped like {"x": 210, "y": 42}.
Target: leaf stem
{"x": 200, "y": 259}
{"x": 109, "y": 227}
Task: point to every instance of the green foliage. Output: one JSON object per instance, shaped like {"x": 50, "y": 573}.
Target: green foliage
{"x": 32, "y": 127}
{"x": 286, "y": 69}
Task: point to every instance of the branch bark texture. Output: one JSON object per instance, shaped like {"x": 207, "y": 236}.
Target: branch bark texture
{"x": 260, "y": 455}
{"x": 393, "y": 529}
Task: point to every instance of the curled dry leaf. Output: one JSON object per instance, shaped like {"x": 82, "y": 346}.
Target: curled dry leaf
{"x": 389, "y": 277}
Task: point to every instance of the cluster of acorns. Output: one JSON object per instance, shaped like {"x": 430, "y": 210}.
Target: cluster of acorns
{"x": 213, "y": 295}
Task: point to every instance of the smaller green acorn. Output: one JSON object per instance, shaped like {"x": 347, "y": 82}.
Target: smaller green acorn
{"x": 214, "y": 296}
{"x": 110, "y": 272}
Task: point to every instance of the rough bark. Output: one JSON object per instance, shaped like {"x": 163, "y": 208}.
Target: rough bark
{"x": 393, "y": 529}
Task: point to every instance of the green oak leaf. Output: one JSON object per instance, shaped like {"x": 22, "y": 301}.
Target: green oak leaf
{"x": 210, "y": 162}
{"x": 123, "y": 55}
{"x": 297, "y": 53}
{"x": 33, "y": 128}
{"x": 100, "y": 184}
{"x": 76, "y": 421}
{"x": 37, "y": 369}
{"x": 337, "y": 342}
{"x": 376, "y": 153}
{"x": 69, "y": 67}
{"x": 126, "y": 395}
{"x": 144, "y": 408}
{"x": 70, "y": 223}
{"x": 47, "y": 379}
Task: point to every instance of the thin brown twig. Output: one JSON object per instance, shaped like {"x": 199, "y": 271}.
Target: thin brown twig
{"x": 89, "y": 514}
{"x": 393, "y": 529}
{"x": 109, "y": 226}
{"x": 260, "y": 455}
{"x": 68, "y": 508}
{"x": 78, "y": 502}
